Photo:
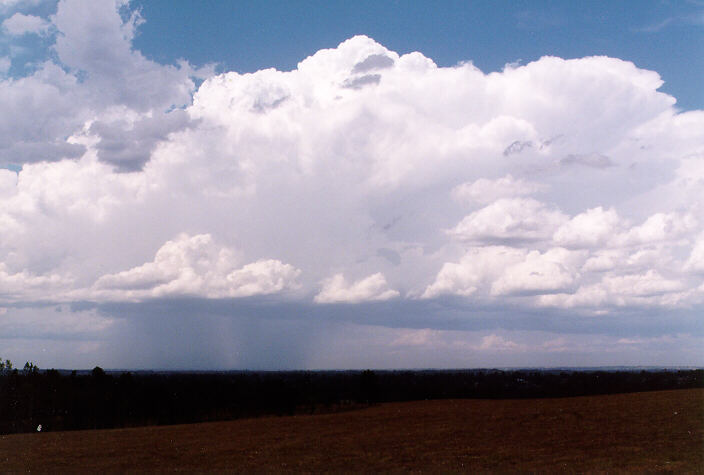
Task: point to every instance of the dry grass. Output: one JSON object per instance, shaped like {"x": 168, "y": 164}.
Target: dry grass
{"x": 655, "y": 431}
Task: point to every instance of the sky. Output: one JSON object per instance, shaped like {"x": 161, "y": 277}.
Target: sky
{"x": 332, "y": 185}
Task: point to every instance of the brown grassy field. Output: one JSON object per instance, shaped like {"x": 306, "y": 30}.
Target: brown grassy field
{"x": 654, "y": 431}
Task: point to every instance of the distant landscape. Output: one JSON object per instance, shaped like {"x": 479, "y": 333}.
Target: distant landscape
{"x": 59, "y": 400}
{"x": 573, "y": 419}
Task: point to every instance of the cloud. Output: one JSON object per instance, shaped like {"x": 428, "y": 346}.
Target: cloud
{"x": 645, "y": 285}
{"x": 555, "y": 196}
{"x": 656, "y": 27}
{"x": 649, "y": 289}
{"x": 660, "y": 227}
{"x": 25, "y": 286}
{"x": 28, "y": 152}
{"x": 695, "y": 262}
{"x": 478, "y": 268}
{"x": 517, "y": 147}
{"x": 8, "y": 5}
{"x": 492, "y": 272}
{"x": 5, "y": 64}
{"x": 20, "y": 24}
{"x": 128, "y": 144}
{"x": 551, "y": 272}
{"x": 509, "y": 219}
{"x": 97, "y": 78}
{"x": 498, "y": 343}
{"x": 589, "y": 229}
{"x": 373, "y": 62}
{"x": 695, "y": 17}
{"x": 593, "y": 160}
{"x": 53, "y": 321}
{"x": 337, "y": 290}
{"x": 195, "y": 266}
{"x": 485, "y": 191}
{"x": 361, "y": 81}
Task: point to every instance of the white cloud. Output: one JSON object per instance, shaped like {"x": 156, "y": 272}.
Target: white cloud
{"x": 660, "y": 227}
{"x": 26, "y": 286}
{"x": 644, "y": 285}
{"x": 649, "y": 289}
{"x": 498, "y": 343}
{"x": 478, "y": 268}
{"x": 551, "y": 272}
{"x": 94, "y": 44}
{"x": 604, "y": 260}
{"x": 95, "y": 40}
{"x": 695, "y": 262}
{"x": 515, "y": 220}
{"x": 20, "y": 24}
{"x": 195, "y": 266}
{"x": 502, "y": 271}
{"x": 589, "y": 229}
{"x": 372, "y": 288}
{"x": 345, "y": 172}
{"x": 485, "y": 191}
{"x": 262, "y": 277}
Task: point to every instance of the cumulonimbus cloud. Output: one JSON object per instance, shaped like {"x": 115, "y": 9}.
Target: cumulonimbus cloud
{"x": 568, "y": 184}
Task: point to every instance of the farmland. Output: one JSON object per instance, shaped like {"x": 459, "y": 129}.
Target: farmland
{"x": 657, "y": 430}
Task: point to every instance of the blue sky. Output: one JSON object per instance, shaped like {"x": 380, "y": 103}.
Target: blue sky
{"x": 307, "y": 185}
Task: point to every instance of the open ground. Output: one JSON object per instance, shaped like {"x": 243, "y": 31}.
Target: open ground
{"x": 650, "y": 431}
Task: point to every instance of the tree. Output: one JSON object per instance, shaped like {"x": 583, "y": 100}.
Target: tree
{"x": 5, "y": 366}
{"x": 30, "y": 368}
{"x": 369, "y": 386}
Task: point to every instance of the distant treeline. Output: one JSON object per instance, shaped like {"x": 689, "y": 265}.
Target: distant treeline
{"x": 92, "y": 400}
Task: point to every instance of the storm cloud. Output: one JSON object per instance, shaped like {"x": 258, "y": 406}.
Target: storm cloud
{"x": 366, "y": 208}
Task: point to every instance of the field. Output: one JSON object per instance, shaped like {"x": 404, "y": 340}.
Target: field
{"x": 650, "y": 431}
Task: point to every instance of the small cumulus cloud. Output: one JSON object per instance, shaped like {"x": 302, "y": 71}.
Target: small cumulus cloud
{"x": 509, "y": 219}
{"x": 476, "y": 270}
{"x": 589, "y": 229}
{"x": 336, "y": 289}
{"x": 20, "y": 24}
{"x": 539, "y": 273}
